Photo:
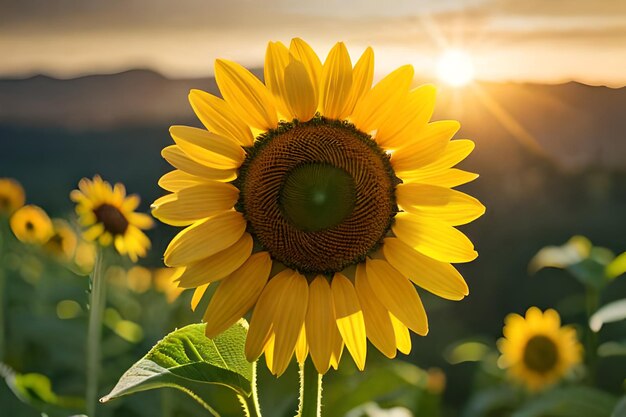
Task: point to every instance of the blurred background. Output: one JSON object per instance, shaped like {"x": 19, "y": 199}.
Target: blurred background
{"x": 89, "y": 87}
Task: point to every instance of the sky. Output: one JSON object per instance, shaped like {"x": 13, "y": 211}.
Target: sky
{"x": 508, "y": 40}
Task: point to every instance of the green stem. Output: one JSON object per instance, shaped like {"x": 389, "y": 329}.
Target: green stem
{"x": 3, "y": 297}
{"x": 94, "y": 334}
{"x": 250, "y": 404}
{"x": 310, "y": 391}
{"x": 592, "y": 298}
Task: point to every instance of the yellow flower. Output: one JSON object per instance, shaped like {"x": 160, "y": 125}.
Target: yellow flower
{"x": 536, "y": 350}
{"x": 109, "y": 217}
{"x": 165, "y": 282}
{"x": 139, "y": 279}
{"x": 63, "y": 241}
{"x": 30, "y": 224}
{"x": 317, "y": 200}
{"x": 11, "y": 196}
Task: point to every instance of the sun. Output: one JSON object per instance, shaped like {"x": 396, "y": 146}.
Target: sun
{"x": 455, "y": 68}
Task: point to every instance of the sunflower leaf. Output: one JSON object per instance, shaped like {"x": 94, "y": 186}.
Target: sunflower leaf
{"x": 187, "y": 360}
{"x": 569, "y": 402}
{"x": 611, "y": 312}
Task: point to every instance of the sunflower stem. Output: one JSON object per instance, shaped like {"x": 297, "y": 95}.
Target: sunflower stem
{"x": 94, "y": 334}
{"x": 3, "y": 297}
{"x": 310, "y": 391}
{"x": 592, "y": 298}
{"x": 250, "y": 404}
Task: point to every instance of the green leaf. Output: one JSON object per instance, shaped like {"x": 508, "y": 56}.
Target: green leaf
{"x": 36, "y": 390}
{"x": 620, "y": 408}
{"x": 607, "y": 349}
{"x": 569, "y": 402}
{"x": 617, "y": 267}
{"x": 575, "y": 250}
{"x": 187, "y": 360}
{"x": 491, "y": 402}
{"x": 614, "y": 311}
{"x": 466, "y": 351}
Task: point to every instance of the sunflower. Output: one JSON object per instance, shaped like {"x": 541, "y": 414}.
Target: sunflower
{"x": 63, "y": 241}
{"x": 536, "y": 350}
{"x": 317, "y": 200}
{"x": 110, "y": 218}
{"x": 11, "y": 196}
{"x": 30, "y": 224}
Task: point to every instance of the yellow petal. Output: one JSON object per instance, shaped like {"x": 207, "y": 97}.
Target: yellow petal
{"x": 397, "y": 294}
{"x": 205, "y": 238}
{"x": 434, "y": 238}
{"x": 305, "y": 54}
{"x": 426, "y": 147}
{"x": 362, "y": 77}
{"x": 269, "y": 351}
{"x": 448, "y": 178}
{"x": 141, "y": 220}
{"x": 453, "y": 207}
{"x": 377, "y": 320}
{"x": 178, "y": 159}
{"x": 197, "y": 296}
{"x": 246, "y": 95}
{"x": 218, "y": 117}
{"x": 349, "y": 317}
{"x": 299, "y": 93}
{"x": 302, "y": 349}
{"x": 288, "y": 320}
{"x": 236, "y": 294}
{"x": 336, "y": 82}
{"x": 319, "y": 320}
{"x": 177, "y": 179}
{"x": 276, "y": 60}
{"x": 403, "y": 337}
{"x": 440, "y": 278}
{"x": 455, "y": 152}
{"x": 263, "y": 315}
{"x": 207, "y": 148}
{"x": 379, "y": 102}
{"x": 197, "y": 202}
{"x": 412, "y": 114}
{"x": 217, "y": 266}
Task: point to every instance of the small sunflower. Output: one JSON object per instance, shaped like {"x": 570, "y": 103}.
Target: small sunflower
{"x": 536, "y": 350}
{"x": 12, "y": 196}
{"x": 164, "y": 280}
{"x": 317, "y": 199}
{"x": 110, "y": 218}
{"x": 63, "y": 241}
{"x": 30, "y": 224}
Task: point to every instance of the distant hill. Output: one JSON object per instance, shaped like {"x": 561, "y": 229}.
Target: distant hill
{"x": 578, "y": 125}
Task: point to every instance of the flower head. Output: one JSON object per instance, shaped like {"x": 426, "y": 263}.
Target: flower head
{"x": 30, "y": 224}
{"x": 315, "y": 199}
{"x": 63, "y": 241}
{"x": 109, "y": 217}
{"x": 11, "y": 196}
{"x": 536, "y": 350}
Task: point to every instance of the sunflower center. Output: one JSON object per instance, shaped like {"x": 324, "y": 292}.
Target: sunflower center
{"x": 4, "y": 202}
{"x": 319, "y": 196}
{"x": 112, "y": 218}
{"x": 540, "y": 354}
{"x": 29, "y": 226}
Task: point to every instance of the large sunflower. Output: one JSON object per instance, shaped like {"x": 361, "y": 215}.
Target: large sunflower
{"x": 536, "y": 350}
{"x": 109, "y": 217}
{"x": 317, "y": 199}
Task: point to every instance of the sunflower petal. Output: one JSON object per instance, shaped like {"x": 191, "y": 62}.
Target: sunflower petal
{"x": 179, "y": 159}
{"x": 403, "y": 337}
{"x": 440, "y": 278}
{"x": 319, "y": 319}
{"x": 434, "y": 238}
{"x": 198, "y": 240}
{"x": 336, "y": 82}
{"x": 397, "y": 294}
{"x": 197, "y": 202}
{"x": 379, "y": 102}
{"x": 362, "y": 77}
{"x": 177, "y": 179}
{"x": 426, "y": 147}
{"x": 449, "y": 178}
{"x": 217, "y": 266}
{"x": 276, "y": 60}
{"x": 218, "y": 117}
{"x": 300, "y": 94}
{"x": 197, "y": 296}
{"x": 236, "y": 294}
{"x": 305, "y": 54}
{"x": 246, "y": 95}
{"x": 453, "y": 207}
{"x": 207, "y": 148}
{"x": 302, "y": 348}
{"x": 349, "y": 317}
{"x": 456, "y": 151}
{"x": 377, "y": 320}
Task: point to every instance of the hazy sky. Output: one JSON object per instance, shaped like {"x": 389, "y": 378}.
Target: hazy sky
{"x": 524, "y": 40}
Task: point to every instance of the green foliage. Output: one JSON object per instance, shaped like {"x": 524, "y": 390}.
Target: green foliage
{"x": 36, "y": 390}
{"x": 620, "y": 408}
{"x": 611, "y": 312}
{"x": 189, "y": 361}
{"x": 496, "y": 401}
{"x": 569, "y": 402}
{"x": 617, "y": 267}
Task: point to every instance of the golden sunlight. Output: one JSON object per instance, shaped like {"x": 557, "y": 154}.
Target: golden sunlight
{"x": 455, "y": 68}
